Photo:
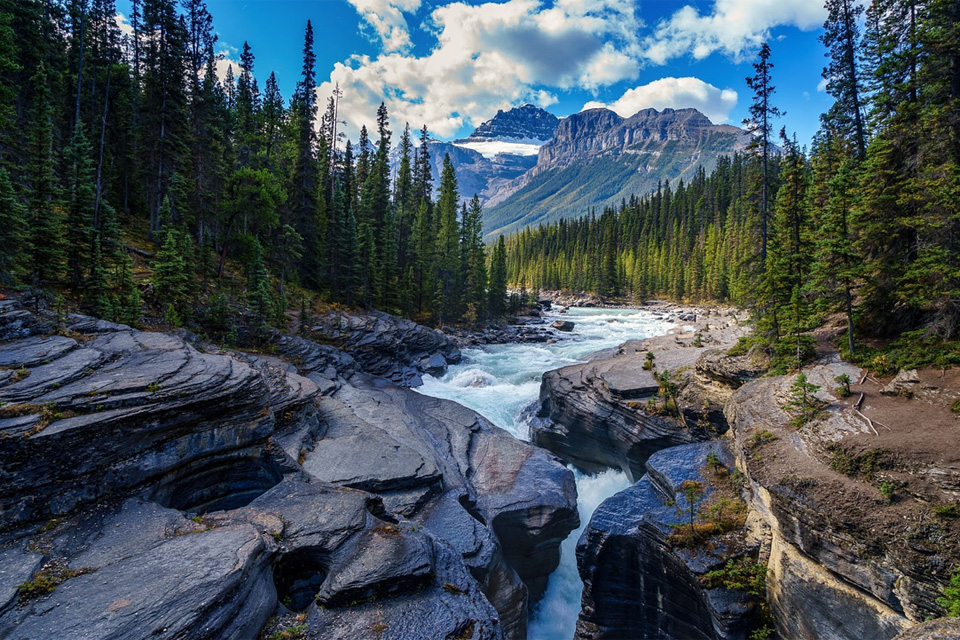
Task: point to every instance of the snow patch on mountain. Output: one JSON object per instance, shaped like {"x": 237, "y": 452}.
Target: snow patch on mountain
{"x": 513, "y": 147}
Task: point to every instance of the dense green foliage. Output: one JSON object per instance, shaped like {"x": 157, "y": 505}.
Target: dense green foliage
{"x": 866, "y": 222}
{"x": 115, "y": 147}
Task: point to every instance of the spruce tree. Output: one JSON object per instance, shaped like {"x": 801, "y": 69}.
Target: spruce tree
{"x": 14, "y": 234}
{"x": 836, "y": 264}
{"x": 127, "y": 306}
{"x": 171, "y": 277}
{"x": 258, "y": 288}
{"x": 843, "y": 76}
{"x": 43, "y": 194}
{"x": 80, "y": 200}
{"x": 447, "y": 295}
{"x": 760, "y": 125}
{"x": 497, "y": 291}
{"x": 473, "y": 262}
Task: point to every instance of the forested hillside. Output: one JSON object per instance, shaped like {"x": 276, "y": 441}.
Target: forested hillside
{"x": 865, "y": 222}
{"x": 136, "y": 182}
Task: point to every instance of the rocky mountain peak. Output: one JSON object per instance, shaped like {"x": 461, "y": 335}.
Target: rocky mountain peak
{"x": 596, "y": 131}
{"x": 521, "y": 123}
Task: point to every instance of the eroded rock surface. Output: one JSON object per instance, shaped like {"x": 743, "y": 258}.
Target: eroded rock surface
{"x": 388, "y": 347}
{"x": 151, "y": 487}
{"x": 855, "y": 549}
{"x": 602, "y": 414}
{"x": 637, "y": 582}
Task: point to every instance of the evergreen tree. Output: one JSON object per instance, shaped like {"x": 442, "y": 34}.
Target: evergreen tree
{"x": 258, "y": 287}
{"x": 836, "y": 264}
{"x": 842, "y": 73}
{"x": 80, "y": 200}
{"x": 497, "y": 291}
{"x": 760, "y": 125}
{"x": 305, "y": 213}
{"x": 786, "y": 311}
{"x": 164, "y": 108}
{"x": 14, "y": 234}
{"x": 473, "y": 262}
{"x": 126, "y": 307}
{"x": 171, "y": 276}
{"x": 447, "y": 295}
{"x": 43, "y": 201}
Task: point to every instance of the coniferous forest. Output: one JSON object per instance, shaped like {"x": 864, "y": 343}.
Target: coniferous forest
{"x": 865, "y": 223}
{"x": 125, "y": 153}
{"x": 137, "y": 183}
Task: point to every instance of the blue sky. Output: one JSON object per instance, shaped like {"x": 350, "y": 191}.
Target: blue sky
{"x": 451, "y": 65}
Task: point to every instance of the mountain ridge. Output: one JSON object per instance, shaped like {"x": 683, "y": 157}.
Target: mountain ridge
{"x": 597, "y": 157}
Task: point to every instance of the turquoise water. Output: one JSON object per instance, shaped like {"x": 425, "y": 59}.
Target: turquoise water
{"x": 500, "y": 381}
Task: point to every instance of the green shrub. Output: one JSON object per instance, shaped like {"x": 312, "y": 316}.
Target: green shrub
{"x": 739, "y": 575}
{"x": 844, "y": 389}
{"x": 951, "y": 596}
{"x": 888, "y": 490}
{"x": 946, "y": 510}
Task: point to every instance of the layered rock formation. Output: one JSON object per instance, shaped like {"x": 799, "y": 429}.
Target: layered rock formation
{"x": 846, "y": 559}
{"x": 600, "y": 414}
{"x": 851, "y": 512}
{"x": 385, "y": 346}
{"x": 637, "y": 583}
{"x": 155, "y": 487}
{"x": 601, "y": 131}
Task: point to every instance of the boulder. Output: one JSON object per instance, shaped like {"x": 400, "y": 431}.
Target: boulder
{"x": 636, "y": 583}
{"x": 903, "y": 384}
{"x": 386, "y": 346}
{"x": 595, "y": 416}
{"x": 251, "y": 487}
{"x": 505, "y": 505}
{"x": 563, "y": 325}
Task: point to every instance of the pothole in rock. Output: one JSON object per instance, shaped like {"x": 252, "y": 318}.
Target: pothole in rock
{"x": 219, "y": 485}
{"x": 298, "y": 576}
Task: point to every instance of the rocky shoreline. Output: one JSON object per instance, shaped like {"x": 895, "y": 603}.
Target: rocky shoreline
{"x": 154, "y": 485}
{"x": 802, "y": 538}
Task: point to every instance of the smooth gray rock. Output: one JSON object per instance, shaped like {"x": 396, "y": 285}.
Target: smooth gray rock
{"x": 208, "y": 490}
{"x": 443, "y": 466}
{"x": 190, "y": 586}
{"x": 596, "y": 427}
{"x": 141, "y": 406}
{"x": 636, "y": 585}
{"x": 451, "y": 606}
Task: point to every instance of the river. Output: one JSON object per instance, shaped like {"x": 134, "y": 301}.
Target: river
{"x": 500, "y": 381}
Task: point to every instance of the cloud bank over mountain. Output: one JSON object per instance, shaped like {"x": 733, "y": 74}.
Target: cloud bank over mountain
{"x": 472, "y": 59}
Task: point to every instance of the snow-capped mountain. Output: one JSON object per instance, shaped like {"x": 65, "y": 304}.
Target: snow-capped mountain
{"x": 517, "y": 132}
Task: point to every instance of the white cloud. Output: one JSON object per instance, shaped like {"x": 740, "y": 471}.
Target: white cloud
{"x": 385, "y": 17}
{"x": 675, "y": 93}
{"x": 734, "y": 27}
{"x": 124, "y": 24}
{"x": 822, "y": 85}
{"x": 492, "y": 56}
